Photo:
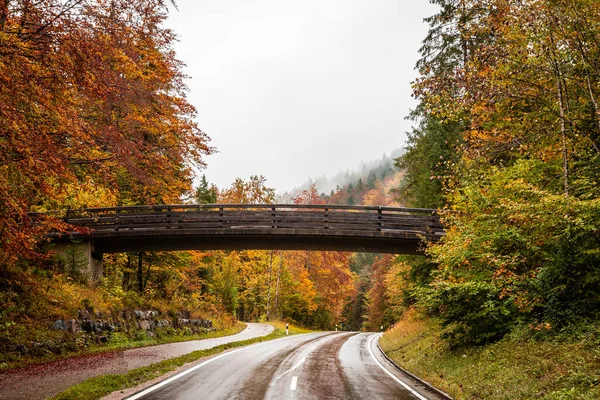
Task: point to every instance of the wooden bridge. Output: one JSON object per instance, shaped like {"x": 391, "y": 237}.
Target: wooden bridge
{"x": 248, "y": 226}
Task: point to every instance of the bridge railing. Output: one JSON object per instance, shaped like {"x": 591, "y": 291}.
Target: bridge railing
{"x": 252, "y": 216}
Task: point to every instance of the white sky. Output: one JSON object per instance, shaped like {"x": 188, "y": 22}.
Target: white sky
{"x": 298, "y": 89}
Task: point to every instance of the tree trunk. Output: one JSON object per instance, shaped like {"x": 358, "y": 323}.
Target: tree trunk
{"x": 140, "y": 273}
{"x": 596, "y": 110}
{"x": 277, "y": 285}
{"x": 269, "y": 284}
{"x": 126, "y": 274}
{"x": 563, "y": 132}
{"x": 561, "y": 92}
{"x": 3, "y": 13}
{"x": 147, "y": 276}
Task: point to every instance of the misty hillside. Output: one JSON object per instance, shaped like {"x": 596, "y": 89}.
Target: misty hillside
{"x": 324, "y": 184}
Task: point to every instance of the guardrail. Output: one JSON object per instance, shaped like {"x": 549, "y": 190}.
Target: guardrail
{"x": 272, "y": 216}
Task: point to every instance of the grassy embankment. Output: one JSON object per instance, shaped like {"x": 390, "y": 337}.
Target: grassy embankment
{"x": 32, "y": 300}
{"x": 566, "y": 366}
{"x": 98, "y": 387}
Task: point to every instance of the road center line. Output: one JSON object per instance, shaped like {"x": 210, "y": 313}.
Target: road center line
{"x": 313, "y": 348}
{"x": 299, "y": 362}
{"x": 294, "y": 382}
{"x": 293, "y": 368}
{"x": 411, "y": 390}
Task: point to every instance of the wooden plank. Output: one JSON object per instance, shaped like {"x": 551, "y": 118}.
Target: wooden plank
{"x": 127, "y": 227}
{"x": 299, "y": 225}
{"x": 358, "y": 227}
{"x": 303, "y": 217}
{"x": 138, "y": 220}
{"x": 409, "y": 224}
{"x": 407, "y": 228}
{"x": 199, "y": 219}
{"x": 305, "y": 214}
{"x": 263, "y": 221}
{"x": 174, "y": 207}
{"x": 86, "y": 221}
{"x": 355, "y": 220}
{"x": 159, "y": 209}
{"x": 247, "y": 218}
{"x": 195, "y": 225}
{"x": 410, "y": 221}
{"x": 409, "y": 218}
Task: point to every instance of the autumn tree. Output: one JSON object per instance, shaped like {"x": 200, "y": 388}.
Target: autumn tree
{"x": 432, "y": 145}
{"x": 251, "y": 191}
{"x": 91, "y": 95}
{"x": 376, "y": 299}
{"x": 431, "y": 151}
{"x": 524, "y": 173}
{"x": 327, "y": 271}
{"x": 309, "y": 196}
{"x": 206, "y": 194}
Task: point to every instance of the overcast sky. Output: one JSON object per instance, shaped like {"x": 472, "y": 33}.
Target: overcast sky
{"x": 298, "y": 89}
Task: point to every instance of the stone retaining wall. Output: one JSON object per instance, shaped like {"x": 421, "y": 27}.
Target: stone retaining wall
{"x": 128, "y": 320}
{"x": 96, "y": 327}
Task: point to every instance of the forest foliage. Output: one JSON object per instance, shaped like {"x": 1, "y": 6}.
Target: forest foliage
{"x": 508, "y": 128}
{"x": 505, "y": 145}
{"x": 94, "y": 112}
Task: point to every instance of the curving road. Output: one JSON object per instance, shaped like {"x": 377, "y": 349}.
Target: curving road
{"x": 46, "y": 380}
{"x": 326, "y": 365}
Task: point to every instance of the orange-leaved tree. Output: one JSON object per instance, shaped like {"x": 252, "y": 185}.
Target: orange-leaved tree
{"x": 90, "y": 94}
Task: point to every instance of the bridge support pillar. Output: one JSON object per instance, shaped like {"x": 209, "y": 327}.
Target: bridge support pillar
{"x": 81, "y": 258}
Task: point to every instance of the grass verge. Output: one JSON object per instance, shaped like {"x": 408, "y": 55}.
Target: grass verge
{"x": 514, "y": 368}
{"x": 95, "y": 388}
{"x": 130, "y": 344}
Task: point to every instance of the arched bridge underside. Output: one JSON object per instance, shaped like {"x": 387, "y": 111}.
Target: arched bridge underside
{"x": 252, "y": 226}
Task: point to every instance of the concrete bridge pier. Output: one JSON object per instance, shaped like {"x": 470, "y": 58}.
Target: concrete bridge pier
{"x": 81, "y": 258}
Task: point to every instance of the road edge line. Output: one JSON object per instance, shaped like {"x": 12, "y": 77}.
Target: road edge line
{"x": 181, "y": 374}
{"x": 427, "y": 385}
{"x": 394, "y": 377}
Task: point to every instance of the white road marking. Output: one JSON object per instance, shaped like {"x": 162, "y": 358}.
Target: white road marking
{"x": 299, "y": 362}
{"x": 294, "y": 382}
{"x": 187, "y": 371}
{"x": 293, "y": 368}
{"x": 313, "y": 348}
{"x": 392, "y": 375}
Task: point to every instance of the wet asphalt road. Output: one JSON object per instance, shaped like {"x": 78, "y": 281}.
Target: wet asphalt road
{"x": 329, "y": 365}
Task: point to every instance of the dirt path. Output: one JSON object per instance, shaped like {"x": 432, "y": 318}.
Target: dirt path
{"x": 46, "y": 380}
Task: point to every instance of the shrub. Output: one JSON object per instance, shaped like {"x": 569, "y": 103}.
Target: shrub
{"x": 515, "y": 250}
{"x": 472, "y": 313}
